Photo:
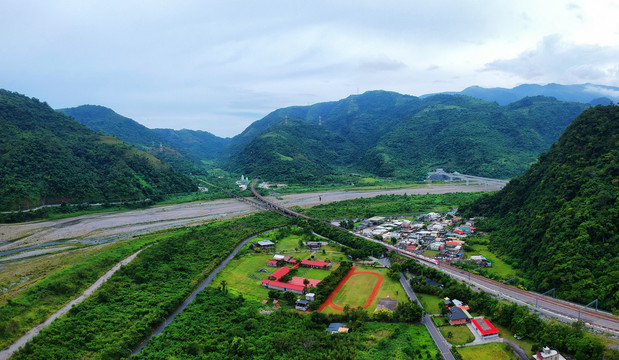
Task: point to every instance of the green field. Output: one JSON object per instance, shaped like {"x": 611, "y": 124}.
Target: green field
{"x": 440, "y": 321}
{"x": 493, "y": 351}
{"x": 499, "y": 266}
{"x": 460, "y": 334}
{"x": 397, "y": 341}
{"x": 237, "y": 272}
{"x": 525, "y": 344}
{"x": 317, "y": 274}
{"x": 431, "y": 253}
{"x": 356, "y": 290}
{"x": 430, "y": 303}
{"x": 389, "y": 289}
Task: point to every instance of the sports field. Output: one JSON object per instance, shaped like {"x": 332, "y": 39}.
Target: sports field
{"x": 363, "y": 288}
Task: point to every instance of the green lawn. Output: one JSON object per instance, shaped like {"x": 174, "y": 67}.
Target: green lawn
{"x": 493, "y": 351}
{"x": 314, "y": 273}
{"x": 356, "y": 290}
{"x": 430, "y": 303}
{"x": 237, "y": 272}
{"x": 440, "y": 321}
{"x": 499, "y": 267}
{"x": 525, "y": 344}
{"x": 389, "y": 289}
{"x": 396, "y": 341}
{"x": 460, "y": 334}
{"x": 430, "y": 253}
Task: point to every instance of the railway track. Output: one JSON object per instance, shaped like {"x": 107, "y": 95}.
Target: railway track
{"x": 597, "y": 319}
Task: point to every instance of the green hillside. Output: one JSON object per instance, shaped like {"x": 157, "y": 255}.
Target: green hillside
{"x": 558, "y": 221}
{"x": 184, "y": 150}
{"x": 294, "y": 150}
{"x": 392, "y": 135}
{"x": 49, "y": 158}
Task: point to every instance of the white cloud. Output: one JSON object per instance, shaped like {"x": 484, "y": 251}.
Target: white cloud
{"x": 557, "y": 60}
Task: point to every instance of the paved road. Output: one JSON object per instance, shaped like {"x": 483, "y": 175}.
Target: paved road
{"x": 5, "y": 354}
{"x": 191, "y": 297}
{"x": 443, "y": 346}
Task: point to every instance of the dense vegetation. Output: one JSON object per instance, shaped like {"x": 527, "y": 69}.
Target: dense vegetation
{"x": 389, "y": 205}
{"x": 393, "y": 135}
{"x": 223, "y": 326}
{"x": 519, "y": 319}
{"x": 558, "y": 221}
{"x": 35, "y": 304}
{"x": 117, "y": 317}
{"x": 48, "y": 157}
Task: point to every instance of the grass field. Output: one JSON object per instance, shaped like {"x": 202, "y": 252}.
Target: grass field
{"x": 389, "y": 289}
{"x": 396, "y": 341}
{"x": 499, "y": 267}
{"x": 315, "y": 274}
{"x": 431, "y": 253}
{"x": 493, "y": 351}
{"x": 430, "y": 303}
{"x": 440, "y": 321}
{"x": 356, "y": 290}
{"x": 525, "y": 344}
{"x": 460, "y": 334}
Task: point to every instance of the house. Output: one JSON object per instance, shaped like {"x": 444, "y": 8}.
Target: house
{"x": 263, "y": 244}
{"x": 310, "y": 296}
{"x": 485, "y": 328}
{"x": 282, "y": 286}
{"x": 460, "y": 304}
{"x": 302, "y": 305}
{"x": 457, "y": 316}
{"x": 436, "y": 246}
{"x": 335, "y": 328}
{"x": 289, "y": 259}
{"x": 548, "y": 354}
{"x": 376, "y": 220}
{"x": 313, "y": 245}
{"x": 272, "y": 263}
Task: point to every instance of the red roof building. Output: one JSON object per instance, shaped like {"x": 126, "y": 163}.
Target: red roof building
{"x": 272, "y": 263}
{"x": 315, "y": 264}
{"x": 282, "y": 286}
{"x": 280, "y": 272}
{"x": 485, "y": 328}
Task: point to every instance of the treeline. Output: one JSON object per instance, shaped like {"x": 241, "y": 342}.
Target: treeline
{"x": 116, "y": 318}
{"x": 572, "y": 339}
{"x": 389, "y": 205}
{"x": 328, "y": 284}
{"x": 356, "y": 246}
{"x": 558, "y": 221}
{"x": 223, "y": 326}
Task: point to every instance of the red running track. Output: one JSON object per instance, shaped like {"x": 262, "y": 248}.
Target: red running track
{"x": 329, "y": 301}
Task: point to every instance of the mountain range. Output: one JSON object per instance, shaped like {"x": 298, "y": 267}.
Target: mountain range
{"x": 378, "y": 133}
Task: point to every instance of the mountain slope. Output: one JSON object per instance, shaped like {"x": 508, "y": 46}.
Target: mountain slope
{"x": 293, "y": 150}
{"x": 393, "y": 135}
{"x": 48, "y": 158}
{"x": 558, "y": 221}
{"x": 179, "y": 148}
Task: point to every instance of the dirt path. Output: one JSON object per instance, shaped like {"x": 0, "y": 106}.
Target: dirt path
{"x": 5, "y": 354}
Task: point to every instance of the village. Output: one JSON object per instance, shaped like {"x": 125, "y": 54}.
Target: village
{"x": 283, "y": 269}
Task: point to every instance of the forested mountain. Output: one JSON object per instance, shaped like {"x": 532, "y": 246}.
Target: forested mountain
{"x": 583, "y": 93}
{"x": 558, "y": 221}
{"x": 182, "y": 149}
{"x": 393, "y": 135}
{"x": 47, "y": 157}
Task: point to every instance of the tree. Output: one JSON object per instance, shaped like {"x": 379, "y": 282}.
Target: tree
{"x": 223, "y": 286}
{"x": 289, "y": 297}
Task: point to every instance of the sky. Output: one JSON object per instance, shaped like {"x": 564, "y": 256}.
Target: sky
{"x": 218, "y": 66}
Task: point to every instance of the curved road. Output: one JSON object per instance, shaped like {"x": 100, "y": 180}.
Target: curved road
{"x": 193, "y": 295}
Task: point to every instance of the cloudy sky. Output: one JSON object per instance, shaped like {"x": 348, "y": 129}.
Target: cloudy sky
{"x": 220, "y": 65}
